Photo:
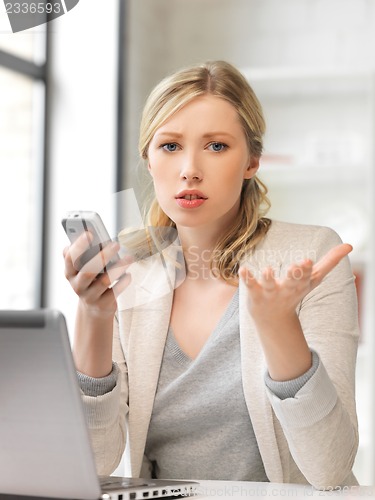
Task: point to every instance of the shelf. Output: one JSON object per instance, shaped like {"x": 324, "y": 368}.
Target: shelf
{"x": 303, "y": 174}
{"x": 308, "y": 82}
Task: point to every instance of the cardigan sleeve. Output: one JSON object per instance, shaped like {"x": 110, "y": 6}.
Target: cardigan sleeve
{"x": 289, "y": 388}
{"x": 106, "y": 415}
{"x": 92, "y": 386}
{"x": 320, "y": 422}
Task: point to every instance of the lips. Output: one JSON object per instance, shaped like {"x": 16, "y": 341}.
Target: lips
{"x": 191, "y": 195}
{"x": 190, "y": 199}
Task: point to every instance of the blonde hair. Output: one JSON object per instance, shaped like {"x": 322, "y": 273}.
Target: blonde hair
{"x": 221, "y": 79}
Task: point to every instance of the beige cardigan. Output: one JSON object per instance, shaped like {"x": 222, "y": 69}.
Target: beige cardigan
{"x": 312, "y": 438}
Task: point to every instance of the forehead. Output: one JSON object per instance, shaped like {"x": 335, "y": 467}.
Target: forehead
{"x": 206, "y": 111}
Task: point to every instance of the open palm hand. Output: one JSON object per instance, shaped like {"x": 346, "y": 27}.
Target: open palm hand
{"x": 282, "y": 295}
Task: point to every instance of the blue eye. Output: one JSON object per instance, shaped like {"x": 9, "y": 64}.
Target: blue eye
{"x": 170, "y": 146}
{"x": 217, "y": 147}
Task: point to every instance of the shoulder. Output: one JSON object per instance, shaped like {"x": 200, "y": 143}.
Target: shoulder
{"x": 288, "y": 233}
{"x": 289, "y": 242}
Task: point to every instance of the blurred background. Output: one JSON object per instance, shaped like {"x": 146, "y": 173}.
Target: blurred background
{"x": 71, "y": 94}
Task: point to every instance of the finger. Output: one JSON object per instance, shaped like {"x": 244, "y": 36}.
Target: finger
{"x": 106, "y": 291}
{"x": 80, "y": 245}
{"x": 117, "y": 270}
{"x": 101, "y": 259}
{"x": 120, "y": 262}
{"x": 248, "y": 278}
{"x": 298, "y": 272}
{"x": 329, "y": 261}
{"x": 268, "y": 279}
{"x": 103, "y": 280}
{"x": 93, "y": 287}
{"x": 121, "y": 285}
{"x": 70, "y": 269}
{"x": 85, "y": 276}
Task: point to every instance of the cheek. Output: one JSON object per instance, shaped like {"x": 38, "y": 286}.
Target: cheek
{"x": 161, "y": 183}
{"x": 162, "y": 171}
{"x": 159, "y": 176}
{"x": 232, "y": 179}
{"x": 157, "y": 164}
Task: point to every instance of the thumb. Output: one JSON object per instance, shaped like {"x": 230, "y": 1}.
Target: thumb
{"x": 246, "y": 276}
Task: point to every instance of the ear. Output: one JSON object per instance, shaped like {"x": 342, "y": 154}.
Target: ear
{"x": 149, "y": 168}
{"x": 252, "y": 168}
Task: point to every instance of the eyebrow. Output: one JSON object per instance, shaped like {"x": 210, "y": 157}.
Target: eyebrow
{"x": 208, "y": 135}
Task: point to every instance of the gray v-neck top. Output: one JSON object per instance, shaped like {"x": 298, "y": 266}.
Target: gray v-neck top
{"x": 200, "y": 427}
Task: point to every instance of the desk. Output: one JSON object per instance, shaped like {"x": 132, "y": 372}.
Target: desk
{"x": 236, "y": 489}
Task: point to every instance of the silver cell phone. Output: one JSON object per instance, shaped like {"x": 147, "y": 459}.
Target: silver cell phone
{"x": 76, "y": 222}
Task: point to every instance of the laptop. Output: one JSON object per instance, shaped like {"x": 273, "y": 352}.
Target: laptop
{"x": 45, "y": 449}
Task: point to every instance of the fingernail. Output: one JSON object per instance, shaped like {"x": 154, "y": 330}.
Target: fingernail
{"x": 88, "y": 235}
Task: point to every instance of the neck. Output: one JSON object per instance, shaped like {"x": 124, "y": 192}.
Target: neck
{"x": 198, "y": 247}
{"x": 198, "y": 244}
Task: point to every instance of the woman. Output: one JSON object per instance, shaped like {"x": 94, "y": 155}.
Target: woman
{"x": 245, "y": 371}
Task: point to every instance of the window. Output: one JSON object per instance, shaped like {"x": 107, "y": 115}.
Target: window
{"x": 22, "y": 111}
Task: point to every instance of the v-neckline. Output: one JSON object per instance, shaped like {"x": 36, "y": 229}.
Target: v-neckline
{"x": 181, "y": 355}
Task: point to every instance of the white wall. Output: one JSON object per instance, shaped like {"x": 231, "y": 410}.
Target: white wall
{"x": 164, "y": 35}
{"x": 83, "y": 119}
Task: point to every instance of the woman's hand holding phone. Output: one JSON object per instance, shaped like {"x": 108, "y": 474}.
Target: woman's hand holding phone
{"x": 97, "y": 289}
{"x": 97, "y": 292}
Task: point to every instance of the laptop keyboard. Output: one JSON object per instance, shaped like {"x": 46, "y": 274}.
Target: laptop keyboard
{"x": 122, "y": 482}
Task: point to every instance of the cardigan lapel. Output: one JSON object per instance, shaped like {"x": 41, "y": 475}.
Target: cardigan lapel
{"x": 146, "y": 346}
{"x": 147, "y": 328}
{"x": 260, "y": 410}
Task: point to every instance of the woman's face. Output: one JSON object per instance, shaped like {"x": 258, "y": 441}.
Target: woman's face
{"x": 198, "y": 160}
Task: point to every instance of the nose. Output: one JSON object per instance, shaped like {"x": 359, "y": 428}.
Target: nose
{"x": 190, "y": 170}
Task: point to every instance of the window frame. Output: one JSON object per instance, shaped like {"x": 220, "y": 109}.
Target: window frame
{"x": 40, "y": 73}
{"x": 37, "y": 73}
